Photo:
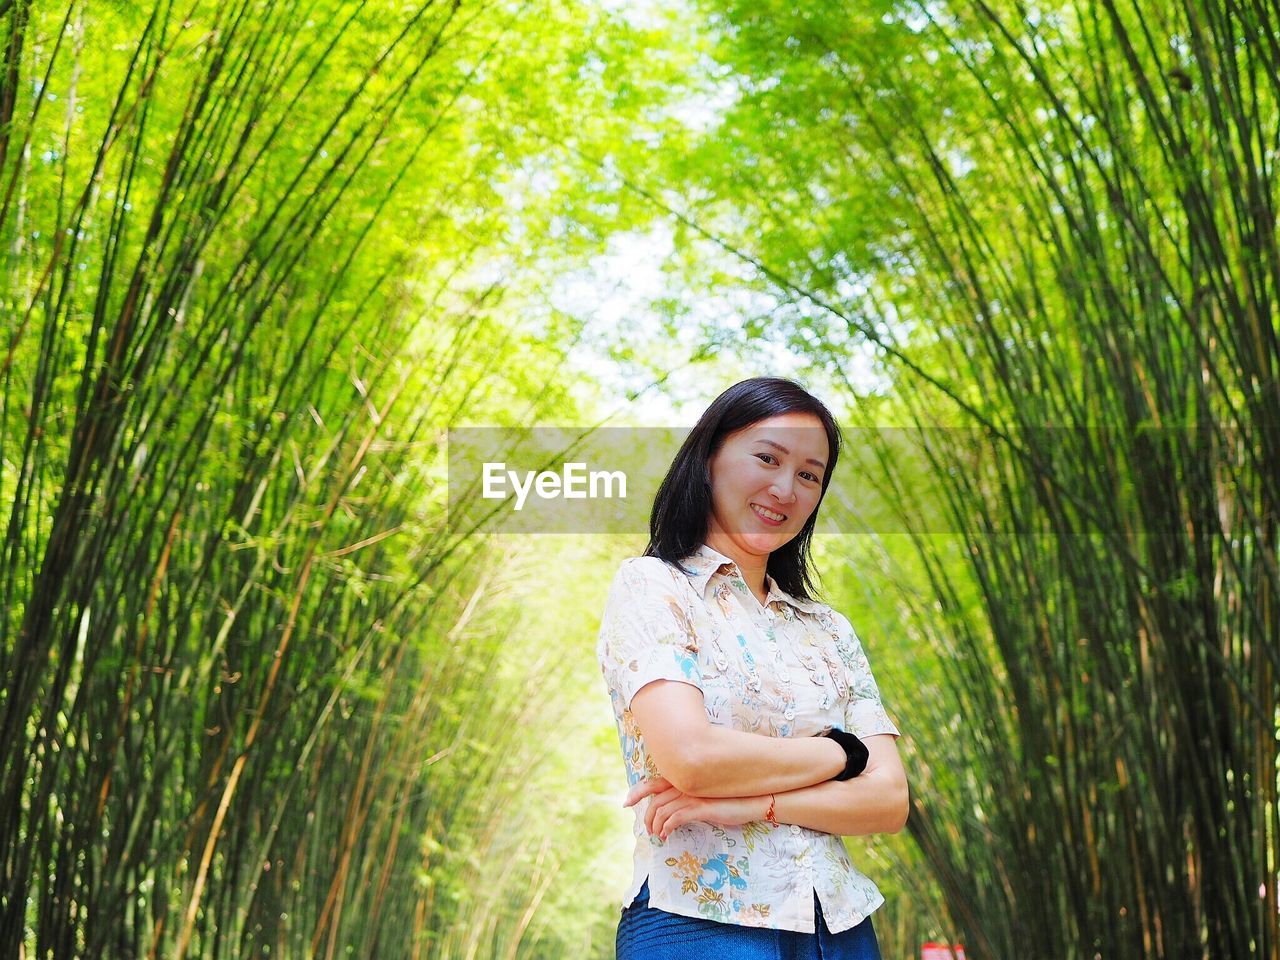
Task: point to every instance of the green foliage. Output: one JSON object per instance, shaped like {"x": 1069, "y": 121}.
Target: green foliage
{"x": 259, "y": 256}
{"x": 1063, "y": 218}
{"x": 260, "y": 700}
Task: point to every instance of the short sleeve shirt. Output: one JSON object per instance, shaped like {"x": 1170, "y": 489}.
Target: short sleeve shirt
{"x": 785, "y": 669}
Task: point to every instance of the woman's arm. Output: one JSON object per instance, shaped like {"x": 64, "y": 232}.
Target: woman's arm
{"x": 707, "y": 760}
{"x": 876, "y": 801}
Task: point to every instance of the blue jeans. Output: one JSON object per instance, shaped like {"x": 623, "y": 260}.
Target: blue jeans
{"x": 647, "y": 933}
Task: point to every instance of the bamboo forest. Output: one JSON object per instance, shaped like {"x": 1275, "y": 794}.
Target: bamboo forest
{"x": 266, "y": 695}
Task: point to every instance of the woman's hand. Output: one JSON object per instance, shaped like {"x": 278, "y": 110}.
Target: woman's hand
{"x": 671, "y": 808}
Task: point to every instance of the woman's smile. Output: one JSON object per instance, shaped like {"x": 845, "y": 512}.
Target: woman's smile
{"x": 769, "y": 517}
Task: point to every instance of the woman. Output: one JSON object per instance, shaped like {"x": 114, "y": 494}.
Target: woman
{"x": 747, "y": 712}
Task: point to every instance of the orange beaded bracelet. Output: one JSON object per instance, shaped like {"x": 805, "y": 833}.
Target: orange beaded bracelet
{"x": 768, "y": 815}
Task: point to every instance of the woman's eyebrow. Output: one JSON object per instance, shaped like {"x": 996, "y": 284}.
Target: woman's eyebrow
{"x": 786, "y": 452}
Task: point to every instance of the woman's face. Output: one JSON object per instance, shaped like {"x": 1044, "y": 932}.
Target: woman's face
{"x": 772, "y": 469}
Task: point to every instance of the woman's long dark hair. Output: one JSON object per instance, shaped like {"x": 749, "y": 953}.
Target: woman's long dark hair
{"x": 682, "y": 508}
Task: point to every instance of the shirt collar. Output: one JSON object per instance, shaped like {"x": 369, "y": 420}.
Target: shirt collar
{"x": 705, "y": 561}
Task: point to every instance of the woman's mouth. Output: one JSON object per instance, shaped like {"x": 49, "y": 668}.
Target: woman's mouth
{"x": 768, "y": 516}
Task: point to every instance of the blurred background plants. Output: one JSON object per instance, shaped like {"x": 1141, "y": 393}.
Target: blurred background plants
{"x": 260, "y": 700}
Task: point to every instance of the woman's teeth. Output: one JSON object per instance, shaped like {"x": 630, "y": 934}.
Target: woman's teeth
{"x": 768, "y": 514}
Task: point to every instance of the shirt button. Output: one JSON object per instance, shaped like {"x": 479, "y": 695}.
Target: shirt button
{"x": 722, "y": 663}
{"x": 789, "y": 715}
{"x": 754, "y": 683}
{"x": 784, "y": 675}
{"x": 795, "y": 828}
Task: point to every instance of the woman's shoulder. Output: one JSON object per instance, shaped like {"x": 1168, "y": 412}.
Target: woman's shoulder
{"x": 647, "y": 574}
{"x": 653, "y": 579}
{"x": 832, "y": 620}
{"x": 647, "y": 566}
{"x": 648, "y": 588}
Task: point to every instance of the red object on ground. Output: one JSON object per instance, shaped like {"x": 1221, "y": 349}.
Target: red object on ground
{"x": 941, "y": 951}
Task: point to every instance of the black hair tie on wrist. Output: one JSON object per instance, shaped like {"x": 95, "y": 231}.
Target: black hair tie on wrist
{"x": 855, "y": 752}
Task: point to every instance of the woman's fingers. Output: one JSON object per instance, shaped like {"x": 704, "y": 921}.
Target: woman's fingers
{"x": 658, "y": 801}
{"x": 668, "y": 809}
{"x": 674, "y": 814}
{"x": 645, "y": 787}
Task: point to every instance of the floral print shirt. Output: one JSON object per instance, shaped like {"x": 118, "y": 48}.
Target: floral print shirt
{"x": 787, "y": 669}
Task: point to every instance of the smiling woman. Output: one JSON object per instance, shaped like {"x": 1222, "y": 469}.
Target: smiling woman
{"x": 766, "y": 481}
{"x": 746, "y": 709}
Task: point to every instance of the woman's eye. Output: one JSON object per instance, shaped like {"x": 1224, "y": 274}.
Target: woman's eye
{"x": 769, "y": 458}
